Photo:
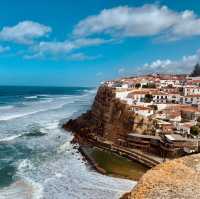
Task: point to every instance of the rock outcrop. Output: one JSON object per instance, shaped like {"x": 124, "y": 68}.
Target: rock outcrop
{"x": 109, "y": 118}
{"x": 179, "y": 178}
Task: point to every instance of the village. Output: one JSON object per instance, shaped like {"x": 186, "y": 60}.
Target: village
{"x": 172, "y": 102}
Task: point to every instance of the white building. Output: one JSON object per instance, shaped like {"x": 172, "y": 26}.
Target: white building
{"x": 191, "y": 90}
{"x": 141, "y": 110}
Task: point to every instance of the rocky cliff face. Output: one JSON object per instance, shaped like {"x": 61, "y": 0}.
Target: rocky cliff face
{"x": 178, "y": 178}
{"x": 109, "y": 118}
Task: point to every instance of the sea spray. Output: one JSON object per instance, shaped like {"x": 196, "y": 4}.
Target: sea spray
{"x": 45, "y": 164}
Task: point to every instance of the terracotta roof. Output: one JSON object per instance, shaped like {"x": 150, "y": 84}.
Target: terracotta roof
{"x": 189, "y": 109}
{"x": 197, "y": 95}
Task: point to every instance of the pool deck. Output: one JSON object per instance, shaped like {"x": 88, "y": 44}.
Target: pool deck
{"x": 133, "y": 154}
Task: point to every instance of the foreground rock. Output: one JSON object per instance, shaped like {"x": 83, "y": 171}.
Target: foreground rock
{"x": 178, "y": 178}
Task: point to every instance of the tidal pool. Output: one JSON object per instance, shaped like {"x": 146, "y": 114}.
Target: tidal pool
{"x": 116, "y": 165}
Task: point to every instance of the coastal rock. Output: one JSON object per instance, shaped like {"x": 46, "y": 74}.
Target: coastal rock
{"x": 179, "y": 178}
{"x": 109, "y": 118}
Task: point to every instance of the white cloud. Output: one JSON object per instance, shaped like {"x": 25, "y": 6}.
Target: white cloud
{"x": 121, "y": 71}
{"x": 183, "y": 65}
{"x": 4, "y": 49}
{"x": 55, "y": 48}
{"x": 147, "y": 20}
{"x": 82, "y": 57}
{"x": 24, "y": 32}
{"x": 188, "y": 25}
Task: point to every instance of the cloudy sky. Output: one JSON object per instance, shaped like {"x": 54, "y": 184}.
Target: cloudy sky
{"x": 80, "y": 43}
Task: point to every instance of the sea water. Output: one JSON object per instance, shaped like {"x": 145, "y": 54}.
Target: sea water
{"x": 37, "y": 159}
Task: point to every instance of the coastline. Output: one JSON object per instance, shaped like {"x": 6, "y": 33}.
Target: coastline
{"x": 106, "y": 125}
{"x": 86, "y": 149}
{"x": 83, "y": 142}
{"x": 101, "y": 119}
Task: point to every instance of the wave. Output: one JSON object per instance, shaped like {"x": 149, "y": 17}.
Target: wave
{"x": 6, "y": 107}
{"x": 13, "y": 116}
{"x": 93, "y": 91}
{"x": 38, "y": 96}
{"x": 22, "y": 189}
{"x": 32, "y": 133}
{"x": 24, "y": 164}
{"x": 10, "y": 138}
{"x": 52, "y": 125}
{"x": 31, "y": 97}
{"x": 65, "y": 147}
{"x": 18, "y": 115}
{"x": 44, "y": 95}
{"x": 37, "y": 189}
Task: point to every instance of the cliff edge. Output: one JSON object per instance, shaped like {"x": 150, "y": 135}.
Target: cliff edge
{"x": 109, "y": 118}
{"x": 179, "y": 178}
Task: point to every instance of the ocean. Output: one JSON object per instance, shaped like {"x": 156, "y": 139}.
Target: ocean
{"x": 37, "y": 159}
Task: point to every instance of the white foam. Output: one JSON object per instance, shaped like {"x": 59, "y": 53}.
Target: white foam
{"x": 37, "y": 189}
{"x": 25, "y": 164}
{"x": 22, "y": 189}
{"x": 6, "y": 107}
{"x": 52, "y": 125}
{"x": 10, "y": 138}
{"x": 31, "y": 97}
{"x": 63, "y": 172}
{"x": 58, "y": 175}
{"x": 65, "y": 147}
{"x": 10, "y": 115}
{"x": 13, "y": 116}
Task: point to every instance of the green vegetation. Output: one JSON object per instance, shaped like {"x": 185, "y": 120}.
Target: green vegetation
{"x": 195, "y": 130}
{"x": 196, "y": 71}
{"x": 154, "y": 107}
{"x": 138, "y": 85}
{"x": 149, "y": 85}
{"x": 148, "y": 98}
{"x": 198, "y": 119}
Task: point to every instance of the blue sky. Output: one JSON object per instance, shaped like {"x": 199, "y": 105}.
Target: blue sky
{"x": 81, "y": 43}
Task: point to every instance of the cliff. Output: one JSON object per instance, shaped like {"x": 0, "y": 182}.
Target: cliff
{"x": 109, "y": 118}
{"x": 179, "y": 178}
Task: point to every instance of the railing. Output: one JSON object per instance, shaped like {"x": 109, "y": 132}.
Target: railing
{"x": 132, "y": 154}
